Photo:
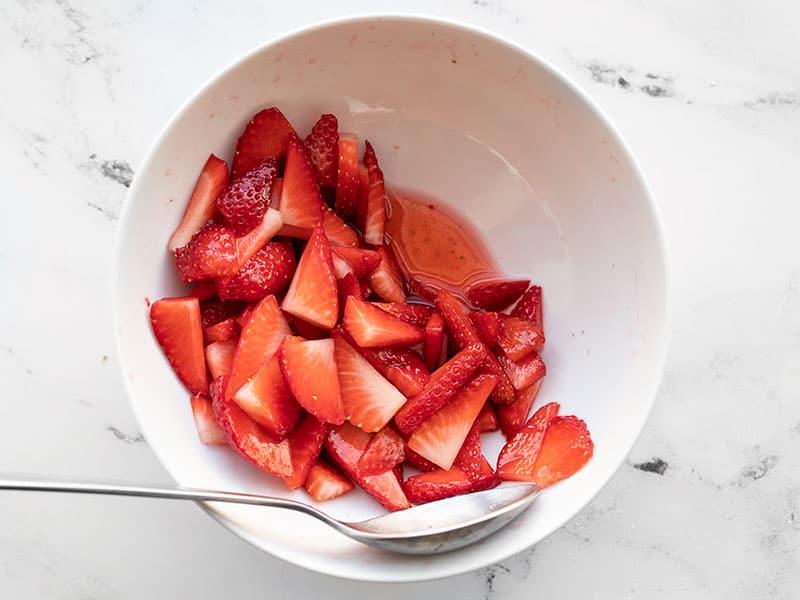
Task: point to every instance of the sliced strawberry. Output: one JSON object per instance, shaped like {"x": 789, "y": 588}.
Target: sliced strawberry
{"x": 434, "y": 340}
{"x": 360, "y": 217}
{"x": 204, "y": 290}
{"x": 267, "y": 400}
{"x": 265, "y": 136}
{"x": 361, "y": 260}
{"x": 247, "y": 437}
{"x": 214, "y": 311}
{"x": 402, "y": 367}
{"x": 310, "y": 370}
{"x": 207, "y": 429}
{"x": 345, "y": 444}
{"x": 339, "y": 233}
{"x": 261, "y": 337}
{"x": 325, "y": 482}
{"x": 347, "y": 178}
{"x": 312, "y": 295}
{"x": 370, "y": 401}
{"x": 219, "y": 332}
{"x": 305, "y": 444}
{"x": 244, "y": 316}
{"x": 387, "y": 279}
{"x": 219, "y": 357}
{"x": 524, "y": 372}
{"x": 244, "y": 202}
{"x": 340, "y": 266}
{"x": 385, "y": 450}
{"x": 301, "y": 203}
{"x": 202, "y": 206}
{"x": 487, "y": 325}
{"x": 176, "y": 325}
{"x": 307, "y": 330}
{"x": 251, "y": 243}
{"x": 376, "y": 201}
{"x": 415, "y": 314}
{"x": 458, "y": 323}
{"x": 348, "y": 286}
{"x": 372, "y": 327}
{"x": 470, "y": 457}
{"x": 322, "y": 145}
{"x": 267, "y": 272}
{"x": 503, "y": 392}
{"x": 566, "y": 447}
{"x": 518, "y": 457}
{"x": 440, "y": 437}
{"x": 440, "y": 484}
{"x": 530, "y": 306}
{"x": 519, "y": 337}
{"x": 487, "y": 419}
{"x": 444, "y": 383}
{"x": 419, "y": 462}
{"x": 211, "y": 252}
{"x": 496, "y": 295}
{"x": 513, "y": 416}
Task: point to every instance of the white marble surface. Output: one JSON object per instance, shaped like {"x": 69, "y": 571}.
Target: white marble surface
{"x": 708, "y": 95}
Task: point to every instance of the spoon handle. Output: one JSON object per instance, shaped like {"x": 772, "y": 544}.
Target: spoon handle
{"x": 89, "y": 487}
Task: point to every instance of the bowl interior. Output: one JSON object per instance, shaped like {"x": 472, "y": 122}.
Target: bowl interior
{"x": 484, "y": 127}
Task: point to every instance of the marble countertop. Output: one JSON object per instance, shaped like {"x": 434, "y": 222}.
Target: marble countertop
{"x": 708, "y": 95}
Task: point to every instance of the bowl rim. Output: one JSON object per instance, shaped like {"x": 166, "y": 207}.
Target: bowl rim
{"x": 458, "y": 567}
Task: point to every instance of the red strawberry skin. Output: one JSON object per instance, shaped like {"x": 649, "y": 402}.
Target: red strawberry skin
{"x": 470, "y": 458}
{"x": 372, "y": 327}
{"x": 530, "y": 306}
{"x": 322, "y": 146}
{"x": 348, "y": 286}
{"x": 211, "y": 252}
{"x": 219, "y": 332}
{"x": 177, "y": 328}
{"x": 305, "y": 444}
{"x": 525, "y": 372}
{"x": 517, "y": 459}
{"x": 204, "y": 290}
{"x": 567, "y": 446}
{"x": 434, "y": 340}
{"x": 487, "y": 325}
{"x": 440, "y": 484}
{"x": 384, "y": 451}
{"x": 419, "y": 462}
{"x": 519, "y": 337}
{"x": 361, "y": 260}
{"x": 487, "y": 419}
{"x": 513, "y": 416}
{"x": 496, "y": 295}
{"x": 415, "y": 314}
{"x": 202, "y": 206}
{"x": 267, "y": 272}
{"x": 244, "y": 202}
{"x": 442, "y": 385}
{"x": 347, "y": 181}
{"x": 265, "y": 136}
{"x": 214, "y": 311}
{"x": 403, "y": 368}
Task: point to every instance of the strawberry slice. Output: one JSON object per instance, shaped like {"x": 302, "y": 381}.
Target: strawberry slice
{"x": 387, "y": 279}
{"x": 385, "y": 450}
{"x": 440, "y": 484}
{"x": 434, "y": 340}
{"x": 307, "y": 330}
{"x": 441, "y": 436}
{"x": 244, "y": 316}
{"x": 244, "y": 202}
{"x": 176, "y": 325}
{"x": 443, "y": 385}
{"x": 372, "y": 327}
{"x": 322, "y": 145}
{"x": 525, "y": 372}
{"x": 214, "y": 311}
{"x": 496, "y": 295}
{"x": 376, "y": 201}
{"x": 361, "y": 260}
{"x": 310, "y": 370}
{"x": 402, "y": 367}
{"x": 345, "y": 444}
{"x": 207, "y": 429}
{"x": 247, "y": 437}
{"x": 265, "y": 136}
{"x": 211, "y": 252}
{"x": 219, "y": 357}
{"x": 251, "y": 243}
{"x": 267, "y": 400}
{"x": 470, "y": 457}
{"x": 202, "y": 204}
{"x": 219, "y": 332}
{"x": 370, "y": 401}
{"x": 566, "y": 447}
{"x": 487, "y": 419}
{"x": 518, "y": 457}
{"x": 419, "y": 462}
{"x": 267, "y": 272}
{"x": 347, "y": 179}
{"x": 519, "y": 337}
{"x": 204, "y": 290}
{"x": 360, "y": 217}
{"x": 305, "y": 444}
{"x": 337, "y": 231}
{"x": 261, "y": 337}
{"x": 513, "y": 416}
{"x": 487, "y": 325}
{"x": 340, "y": 266}
{"x": 301, "y": 203}
{"x": 312, "y": 295}
{"x": 530, "y": 306}
{"x": 348, "y": 286}
{"x": 325, "y": 482}
{"x": 415, "y": 314}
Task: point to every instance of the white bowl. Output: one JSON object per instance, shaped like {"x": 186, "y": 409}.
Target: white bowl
{"x": 487, "y": 127}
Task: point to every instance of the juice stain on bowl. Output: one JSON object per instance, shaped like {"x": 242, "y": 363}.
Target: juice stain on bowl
{"x": 436, "y": 247}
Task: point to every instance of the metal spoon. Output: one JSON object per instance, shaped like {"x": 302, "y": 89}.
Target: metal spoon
{"x": 427, "y": 529}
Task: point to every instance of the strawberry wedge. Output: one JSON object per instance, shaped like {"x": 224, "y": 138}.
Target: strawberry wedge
{"x": 387, "y": 279}
{"x": 347, "y": 180}
{"x": 305, "y": 444}
{"x": 324, "y": 482}
{"x": 309, "y": 367}
{"x": 267, "y": 400}
{"x": 178, "y": 330}
{"x": 300, "y": 202}
{"x": 376, "y": 200}
{"x": 219, "y": 357}
{"x": 512, "y": 417}
{"x": 207, "y": 429}
{"x": 441, "y": 484}
{"x": 372, "y": 327}
{"x": 496, "y": 295}
{"x": 385, "y": 450}
{"x": 517, "y": 459}
{"x": 265, "y": 136}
